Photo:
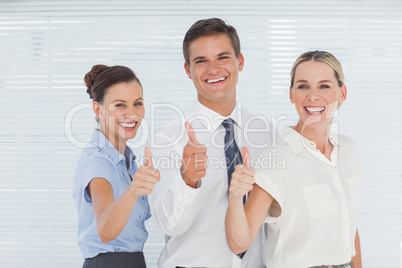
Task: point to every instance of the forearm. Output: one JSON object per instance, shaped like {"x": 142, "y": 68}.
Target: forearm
{"x": 115, "y": 217}
{"x": 357, "y": 259}
{"x": 237, "y": 228}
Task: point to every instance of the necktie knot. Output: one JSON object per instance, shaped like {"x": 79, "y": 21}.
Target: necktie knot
{"x": 228, "y": 125}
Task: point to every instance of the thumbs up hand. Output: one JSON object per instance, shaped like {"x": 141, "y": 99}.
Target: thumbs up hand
{"x": 146, "y": 176}
{"x": 194, "y": 162}
{"x": 243, "y": 177}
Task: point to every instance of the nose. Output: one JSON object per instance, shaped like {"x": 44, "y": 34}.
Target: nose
{"x": 213, "y": 67}
{"x": 313, "y": 95}
{"x": 131, "y": 113}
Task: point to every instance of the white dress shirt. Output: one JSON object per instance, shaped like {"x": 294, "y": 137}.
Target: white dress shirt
{"x": 193, "y": 220}
{"x": 312, "y": 221}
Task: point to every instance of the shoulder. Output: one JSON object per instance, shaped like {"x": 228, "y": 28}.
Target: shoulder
{"x": 274, "y": 160}
{"x": 94, "y": 163}
{"x": 254, "y": 120}
{"x": 346, "y": 143}
{"x": 345, "y": 140}
{"x": 93, "y": 154}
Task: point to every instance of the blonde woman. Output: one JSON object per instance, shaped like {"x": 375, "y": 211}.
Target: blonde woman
{"x": 310, "y": 203}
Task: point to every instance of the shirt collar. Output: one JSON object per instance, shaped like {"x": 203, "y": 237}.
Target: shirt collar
{"x": 215, "y": 119}
{"x": 297, "y": 142}
{"x": 99, "y": 140}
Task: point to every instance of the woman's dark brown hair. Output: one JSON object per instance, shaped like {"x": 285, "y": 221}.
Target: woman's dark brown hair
{"x": 101, "y": 77}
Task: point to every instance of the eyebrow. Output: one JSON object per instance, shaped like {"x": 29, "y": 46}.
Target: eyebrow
{"x": 325, "y": 81}
{"x": 118, "y": 100}
{"x": 322, "y": 81}
{"x": 219, "y": 55}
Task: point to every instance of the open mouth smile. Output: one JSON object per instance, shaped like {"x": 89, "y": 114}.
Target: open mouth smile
{"x": 314, "y": 110}
{"x": 210, "y": 81}
{"x": 128, "y": 126}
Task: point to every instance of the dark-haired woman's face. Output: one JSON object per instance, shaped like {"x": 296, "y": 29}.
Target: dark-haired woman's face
{"x": 123, "y": 110}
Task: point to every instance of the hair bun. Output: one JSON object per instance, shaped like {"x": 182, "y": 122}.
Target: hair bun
{"x": 89, "y": 78}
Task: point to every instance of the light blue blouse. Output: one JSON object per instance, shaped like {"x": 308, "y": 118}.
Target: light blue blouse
{"x": 101, "y": 159}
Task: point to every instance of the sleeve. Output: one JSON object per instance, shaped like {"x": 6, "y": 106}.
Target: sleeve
{"x": 172, "y": 201}
{"x": 96, "y": 166}
{"x": 352, "y": 157}
{"x": 265, "y": 180}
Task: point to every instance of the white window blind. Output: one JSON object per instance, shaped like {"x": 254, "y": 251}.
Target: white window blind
{"x": 46, "y": 47}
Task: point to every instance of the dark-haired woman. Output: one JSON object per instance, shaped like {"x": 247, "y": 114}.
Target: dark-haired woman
{"x": 110, "y": 191}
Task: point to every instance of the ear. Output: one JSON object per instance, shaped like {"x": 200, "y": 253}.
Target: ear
{"x": 188, "y": 71}
{"x": 344, "y": 93}
{"x": 241, "y": 62}
{"x": 97, "y": 110}
{"x": 291, "y": 95}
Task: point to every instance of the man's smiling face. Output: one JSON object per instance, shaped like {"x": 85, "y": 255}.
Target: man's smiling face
{"x": 214, "y": 69}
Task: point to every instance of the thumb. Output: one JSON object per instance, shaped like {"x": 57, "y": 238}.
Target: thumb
{"x": 148, "y": 157}
{"x": 191, "y": 133}
{"x": 246, "y": 156}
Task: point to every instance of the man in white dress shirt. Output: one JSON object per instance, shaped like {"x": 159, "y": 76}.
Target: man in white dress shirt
{"x": 190, "y": 201}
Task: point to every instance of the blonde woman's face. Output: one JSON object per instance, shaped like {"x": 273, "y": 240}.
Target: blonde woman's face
{"x": 316, "y": 93}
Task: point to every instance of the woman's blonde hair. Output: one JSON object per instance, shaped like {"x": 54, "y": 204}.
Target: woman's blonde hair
{"x": 321, "y": 56}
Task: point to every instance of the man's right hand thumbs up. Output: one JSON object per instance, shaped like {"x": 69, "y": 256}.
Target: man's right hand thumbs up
{"x": 194, "y": 162}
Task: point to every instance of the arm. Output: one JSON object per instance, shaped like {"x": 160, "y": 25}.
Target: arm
{"x": 357, "y": 259}
{"x": 112, "y": 215}
{"x": 173, "y": 200}
{"x": 242, "y": 223}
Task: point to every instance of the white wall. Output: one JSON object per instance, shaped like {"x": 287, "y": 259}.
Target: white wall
{"x": 46, "y": 47}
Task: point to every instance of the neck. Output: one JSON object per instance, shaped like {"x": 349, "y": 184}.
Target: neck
{"x": 319, "y": 135}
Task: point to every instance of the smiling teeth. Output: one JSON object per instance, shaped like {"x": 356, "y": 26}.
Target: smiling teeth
{"x": 216, "y": 80}
{"x": 315, "y": 109}
{"x": 128, "y": 124}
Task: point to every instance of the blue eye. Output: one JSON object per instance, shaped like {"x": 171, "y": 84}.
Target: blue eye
{"x": 324, "y": 86}
{"x": 302, "y": 87}
{"x": 223, "y": 57}
{"x": 200, "y": 61}
{"x": 120, "y": 105}
{"x": 138, "y": 104}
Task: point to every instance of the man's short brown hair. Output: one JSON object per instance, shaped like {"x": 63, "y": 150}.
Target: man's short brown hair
{"x": 207, "y": 27}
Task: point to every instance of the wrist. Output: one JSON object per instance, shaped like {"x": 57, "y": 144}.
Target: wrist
{"x": 235, "y": 198}
{"x": 191, "y": 183}
{"x": 133, "y": 194}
